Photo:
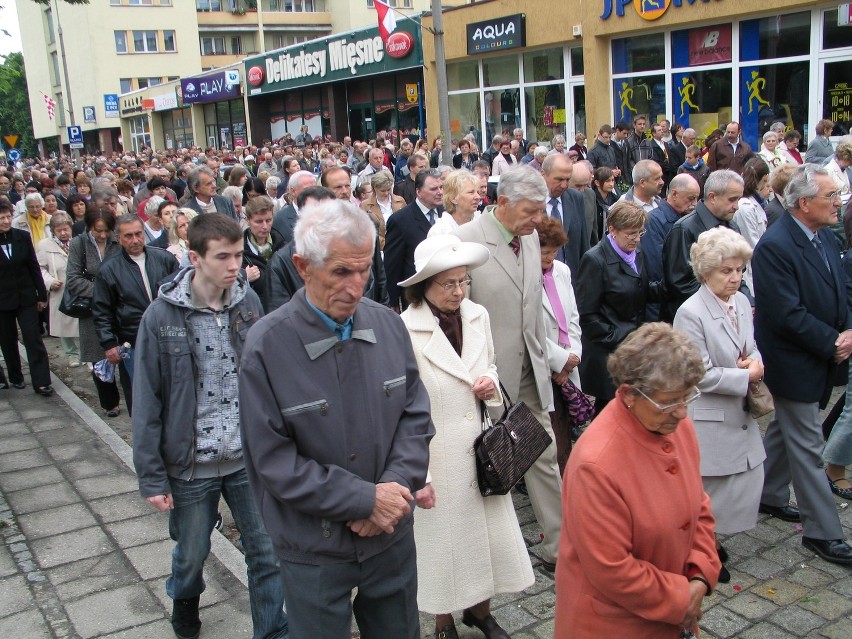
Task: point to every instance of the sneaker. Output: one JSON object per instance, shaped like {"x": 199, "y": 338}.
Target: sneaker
{"x": 90, "y": 366}
{"x": 220, "y": 524}
{"x": 185, "y": 620}
{"x": 73, "y": 362}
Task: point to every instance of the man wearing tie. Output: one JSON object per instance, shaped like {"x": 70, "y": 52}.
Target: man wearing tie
{"x": 509, "y": 286}
{"x": 567, "y": 206}
{"x": 803, "y": 327}
{"x": 406, "y": 228}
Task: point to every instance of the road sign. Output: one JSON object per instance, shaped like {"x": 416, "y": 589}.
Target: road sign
{"x": 13, "y": 154}
{"x": 75, "y": 137}
{"x": 412, "y": 93}
{"x": 11, "y": 140}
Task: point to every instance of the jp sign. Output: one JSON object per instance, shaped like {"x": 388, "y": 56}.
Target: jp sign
{"x": 646, "y": 9}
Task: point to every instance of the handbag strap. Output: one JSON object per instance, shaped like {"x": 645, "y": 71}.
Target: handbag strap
{"x": 507, "y": 401}
{"x": 486, "y": 418}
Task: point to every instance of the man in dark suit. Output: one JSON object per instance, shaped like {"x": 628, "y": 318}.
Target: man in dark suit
{"x": 22, "y": 297}
{"x": 677, "y": 150}
{"x": 407, "y": 228}
{"x": 405, "y": 187}
{"x": 803, "y": 327}
{"x": 285, "y": 219}
{"x": 568, "y": 206}
{"x": 657, "y": 151}
{"x": 201, "y": 183}
{"x": 722, "y": 193}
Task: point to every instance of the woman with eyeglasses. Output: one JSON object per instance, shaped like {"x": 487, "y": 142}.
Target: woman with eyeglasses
{"x": 612, "y": 290}
{"x": 469, "y": 547}
{"x": 637, "y": 553}
{"x": 718, "y": 320}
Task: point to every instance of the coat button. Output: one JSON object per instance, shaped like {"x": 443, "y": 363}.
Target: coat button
{"x": 352, "y": 457}
{"x": 472, "y": 452}
{"x": 673, "y": 469}
{"x": 745, "y": 426}
{"x": 469, "y": 415}
{"x": 667, "y": 447}
{"x": 177, "y": 350}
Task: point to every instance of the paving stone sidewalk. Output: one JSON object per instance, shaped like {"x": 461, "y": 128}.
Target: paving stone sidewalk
{"x": 82, "y": 555}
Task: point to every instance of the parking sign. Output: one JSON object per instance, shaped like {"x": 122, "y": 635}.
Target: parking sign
{"x": 75, "y": 137}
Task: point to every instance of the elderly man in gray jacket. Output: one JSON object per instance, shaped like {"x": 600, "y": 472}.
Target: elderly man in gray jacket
{"x": 336, "y": 429}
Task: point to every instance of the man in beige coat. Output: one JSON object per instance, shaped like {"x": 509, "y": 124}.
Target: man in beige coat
{"x": 509, "y": 286}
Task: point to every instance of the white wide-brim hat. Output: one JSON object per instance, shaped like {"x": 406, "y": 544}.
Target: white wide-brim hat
{"x": 442, "y": 252}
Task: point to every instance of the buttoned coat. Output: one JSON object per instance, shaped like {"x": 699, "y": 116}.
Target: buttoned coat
{"x": 574, "y": 223}
{"x": 54, "y": 262}
{"x": 556, "y": 355}
{"x": 469, "y": 547}
{"x": 729, "y": 437}
{"x": 510, "y": 287}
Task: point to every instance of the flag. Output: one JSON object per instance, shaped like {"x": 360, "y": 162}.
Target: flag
{"x": 50, "y": 105}
{"x": 387, "y": 21}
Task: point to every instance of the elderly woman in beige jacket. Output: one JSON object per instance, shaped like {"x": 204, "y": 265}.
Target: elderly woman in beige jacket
{"x": 52, "y": 254}
{"x": 469, "y": 547}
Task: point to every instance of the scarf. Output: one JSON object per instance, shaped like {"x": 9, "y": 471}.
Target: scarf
{"x": 629, "y": 258}
{"x": 37, "y": 226}
{"x": 508, "y": 157}
{"x": 62, "y": 245}
{"x": 694, "y": 167}
{"x": 264, "y": 250}
{"x": 450, "y": 324}
{"x": 556, "y": 305}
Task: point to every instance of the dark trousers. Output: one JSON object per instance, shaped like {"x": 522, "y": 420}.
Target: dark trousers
{"x": 561, "y": 423}
{"x": 27, "y": 318}
{"x": 108, "y": 396}
{"x": 319, "y": 604}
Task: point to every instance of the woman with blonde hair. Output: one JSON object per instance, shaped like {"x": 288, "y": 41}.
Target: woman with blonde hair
{"x": 178, "y": 243}
{"x": 382, "y": 203}
{"x": 461, "y": 200}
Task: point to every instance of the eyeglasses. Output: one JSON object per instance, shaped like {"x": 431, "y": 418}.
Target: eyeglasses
{"x": 451, "y": 286}
{"x": 670, "y": 408}
{"x": 834, "y": 195}
{"x": 633, "y": 236}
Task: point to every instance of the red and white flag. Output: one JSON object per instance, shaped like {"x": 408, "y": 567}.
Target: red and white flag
{"x": 387, "y": 21}
{"x": 50, "y": 105}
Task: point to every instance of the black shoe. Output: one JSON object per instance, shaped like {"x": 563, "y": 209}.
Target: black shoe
{"x": 44, "y": 391}
{"x": 784, "y": 513}
{"x": 836, "y": 551}
{"x": 521, "y": 487}
{"x": 19, "y": 385}
{"x": 4, "y": 385}
{"x": 220, "y": 523}
{"x": 724, "y": 575}
{"x": 185, "y": 620}
{"x": 447, "y": 632}
{"x": 845, "y": 493}
{"x": 489, "y": 626}
{"x": 723, "y": 554}
{"x": 548, "y": 567}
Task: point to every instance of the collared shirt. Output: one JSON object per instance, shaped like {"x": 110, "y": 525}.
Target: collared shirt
{"x": 425, "y": 210}
{"x": 809, "y": 233}
{"x": 507, "y": 235}
{"x": 209, "y": 207}
{"x": 343, "y": 331}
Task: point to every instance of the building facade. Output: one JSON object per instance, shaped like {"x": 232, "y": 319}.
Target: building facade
{"x": 571, "y": 67}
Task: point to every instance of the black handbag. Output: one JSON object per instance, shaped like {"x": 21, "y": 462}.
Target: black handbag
{"x": 506, "y": 450}
{"x": 73, "y": 305}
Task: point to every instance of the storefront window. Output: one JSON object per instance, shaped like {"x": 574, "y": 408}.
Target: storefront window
{"x": 502, "y": 112}
{"x": 645, "y": 95}
{"x": 837, "y": 96}
{"x": 640, "y": 53}
{"x": 465, "y": 116}
{"x": 577, "y": 61}
{"x": 500, "y": 71}
{"x": 701, "y": 100}
{"x": 579, "y": 94}
{"x": 177, "y": 128}
{"x": 835, "y": 36}
{"x": 546, "y": 114}
{"x": 775, "y": 37}
{"x": 773, "y": 93}
{"x": 223, "y": 121}
{"x": 545, "y": 65}
{"x": 140, "y": 133}
{"x": 463, "y": 75}
{"x": 702, "y": 45}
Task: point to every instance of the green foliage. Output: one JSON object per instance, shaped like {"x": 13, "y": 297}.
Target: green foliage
{"x": 14, "y": 105}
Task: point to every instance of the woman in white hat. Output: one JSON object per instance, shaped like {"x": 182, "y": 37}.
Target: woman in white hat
{"x": 469, "y": 547}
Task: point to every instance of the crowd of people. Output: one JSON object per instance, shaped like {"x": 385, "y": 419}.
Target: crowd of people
{"x": 317, "y": 333}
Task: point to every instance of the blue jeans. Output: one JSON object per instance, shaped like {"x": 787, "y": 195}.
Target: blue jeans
{"x": 190, "y": 525}
{"x": 838, "y": 448}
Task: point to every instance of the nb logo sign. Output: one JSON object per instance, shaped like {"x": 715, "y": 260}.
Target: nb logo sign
{"x": 711, "y": 40}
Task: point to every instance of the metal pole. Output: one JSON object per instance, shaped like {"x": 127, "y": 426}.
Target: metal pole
{"x": 420, "y": 107}
{"x": 75, "y": 153}
{"x": 441, "y": 77}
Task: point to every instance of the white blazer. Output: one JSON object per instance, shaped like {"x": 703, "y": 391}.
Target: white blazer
{"x": 556, "y": 355}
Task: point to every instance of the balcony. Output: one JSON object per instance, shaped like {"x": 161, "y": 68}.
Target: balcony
{"x": 285, "y": 18}
{"x": 292, "y": 6}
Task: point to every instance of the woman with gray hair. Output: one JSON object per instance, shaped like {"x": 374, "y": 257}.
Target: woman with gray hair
{"x": 838, "y": 165}
{"x": 718, "y": 319}
{"x": 632, "y": 565}
{"x": 52, "y": 254}
{"x": 33, "y": 220}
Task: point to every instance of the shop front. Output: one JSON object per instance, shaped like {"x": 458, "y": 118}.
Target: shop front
{"x": 348, "y": 84}
{"x": 221, "y": 114}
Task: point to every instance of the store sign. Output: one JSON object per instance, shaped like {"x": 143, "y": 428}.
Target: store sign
{"x": 838, "y": 99}
{"x": 645, "y": 9}
{"x": 498, "y": 34}
{"x": 358, "y": 53}
{"x": 224, "y": 85}
{"x": 165, "y": 102}
{"x": 111, "y": 105}
{"x": 89, "y": 114}
{"x": 708, "y": 45}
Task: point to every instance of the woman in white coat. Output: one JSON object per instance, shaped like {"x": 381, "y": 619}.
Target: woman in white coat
{"x": 52, "y": 253}
{"x": 718, "y": 319}
{"x": 562, "y": 325}
{"x": 469, "y": 547}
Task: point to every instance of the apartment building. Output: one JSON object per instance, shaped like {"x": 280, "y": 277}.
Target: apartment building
{"x": 85, "y": 56}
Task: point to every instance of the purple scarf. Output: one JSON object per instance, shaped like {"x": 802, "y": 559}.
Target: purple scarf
{"x": 629, "y": 258}
{"x": 556, "y": 305}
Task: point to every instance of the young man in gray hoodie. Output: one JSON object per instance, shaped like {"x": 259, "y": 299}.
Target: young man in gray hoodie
{"x": 186, "y": 427}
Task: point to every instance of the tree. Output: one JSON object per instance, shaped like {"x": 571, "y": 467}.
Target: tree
{"x": 14, "y": 105}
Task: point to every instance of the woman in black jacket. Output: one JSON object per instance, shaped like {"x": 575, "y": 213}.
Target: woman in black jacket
{"x": 22, "y": 297}
{"x": 612, "y": 289}
{"x": 603, "y": 184}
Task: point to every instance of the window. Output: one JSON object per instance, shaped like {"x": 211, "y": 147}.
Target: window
{"x": 236, "y": 45}
{"x": 776, "y": 37}
{"x": 145, "y": 41}
{"x": 213, "y": 46}
{"x": 126, "y": 85}
{"x": 463, "y": 75}
{"x": 48, "y": 16}
{"x": 834, "y": 35}
{"x": 403, "y": 4}
{"x": 144, "y": 83}
{"x": 639, "y": 53}
{"x": 295, "y": 6}
{"x": 169, "y": 41}
{"x": 121, "y": 42}
{"x": 54, "y": 65}
{"x": 208, "y": 5}
{"x": 544, "y": 65}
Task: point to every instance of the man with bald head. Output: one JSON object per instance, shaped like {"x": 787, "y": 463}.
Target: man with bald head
{"x": 681, "y": 200}
{"x": 677, "y": 150}
{"x": 566, "y": 205}
{"x": 581, "y": 181}
{"x": 730, "y": 151}
{"x": 285, "y": 219}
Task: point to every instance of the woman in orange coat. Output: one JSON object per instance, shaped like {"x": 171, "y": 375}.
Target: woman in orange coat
{"x": 637, "y": 553}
